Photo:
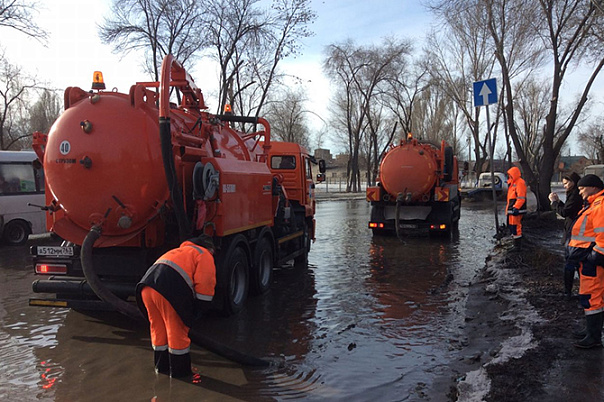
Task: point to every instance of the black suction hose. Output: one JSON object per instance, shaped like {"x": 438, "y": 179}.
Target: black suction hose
{"x": 231, "y": 354}
{"x": 133, "y": 312}
{"x": 95, "y": 283}
{"x": 165, "y": 135}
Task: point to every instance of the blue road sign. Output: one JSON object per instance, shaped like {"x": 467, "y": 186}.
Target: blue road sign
{"x": 485, "y": 92}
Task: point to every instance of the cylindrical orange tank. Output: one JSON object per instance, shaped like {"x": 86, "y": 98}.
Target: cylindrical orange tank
{"x": 410, "y": 169}
{"x": 103, "y": 160}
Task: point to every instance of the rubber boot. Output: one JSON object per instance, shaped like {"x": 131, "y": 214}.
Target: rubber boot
{"x": 594, "y": 332}
{"x": 161, "y": 359}
{"x": 569, "y": 277}
{"x": 180, "y": 365}
{"x": 517, "y": 244}
{"x": 581, "y": 333}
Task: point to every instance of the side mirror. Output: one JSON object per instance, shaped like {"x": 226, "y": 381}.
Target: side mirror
{"x": 321, "y": 177}
{"x": 322, "y": 167}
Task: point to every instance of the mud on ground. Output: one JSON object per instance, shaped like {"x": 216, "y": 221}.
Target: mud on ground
{"x": 517, "y": 343}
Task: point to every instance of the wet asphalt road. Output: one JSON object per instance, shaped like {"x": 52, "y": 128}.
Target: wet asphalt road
{"x": 369, "y": 319}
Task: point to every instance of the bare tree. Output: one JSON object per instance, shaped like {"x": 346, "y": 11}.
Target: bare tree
{"x": 532, "y": 103}
{"x": 18, "y": 15}
{"x": 156, "y": 27}
{"x": 232, "y": 27}
{"x": 249, "y": 43}
{"x": 381, "y": 129}
{"x": 361, "y": 73}
{"x": 403, "y": 90}
{"x": 289, "y": 21}
{"x": 457, "y": 55}
{"x": 566, "y": 28}
{"x": 435, "y": 116}
{"x": 591, "y": 141}
{"x": 288, "y": 119}
{"x": 15, "y": 87}
{"x": 44, "y": 112}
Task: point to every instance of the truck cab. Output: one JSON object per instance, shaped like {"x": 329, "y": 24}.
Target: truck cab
{"x": 293, "y": 166}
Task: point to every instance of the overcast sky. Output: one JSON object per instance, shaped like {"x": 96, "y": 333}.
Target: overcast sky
{"x": 74, "y": 50}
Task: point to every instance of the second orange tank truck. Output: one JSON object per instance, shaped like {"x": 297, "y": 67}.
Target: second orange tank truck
{"x": 131, "y": 175}
{"x": 417, "y": 190}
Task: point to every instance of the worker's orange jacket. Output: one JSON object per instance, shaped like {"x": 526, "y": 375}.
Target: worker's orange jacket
{"x": 182, "y": 275}
{"x": 586, "y": 246}
{"x": 516, "y": 192}
{"x": 588, "y": 230}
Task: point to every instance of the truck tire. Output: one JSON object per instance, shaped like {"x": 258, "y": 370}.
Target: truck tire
{"x": 261, "y": 274}
{"x": 234, "y": 275}
{"x": 302, "y": 260}
{"x": 16, "y": 233}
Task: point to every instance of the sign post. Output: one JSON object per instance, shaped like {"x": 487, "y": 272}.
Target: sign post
{"x": 485, "y": 94}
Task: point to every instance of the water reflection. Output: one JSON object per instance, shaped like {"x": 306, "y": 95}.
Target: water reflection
{"x": 406, "y": 273}
{"x": 370, "y": 318}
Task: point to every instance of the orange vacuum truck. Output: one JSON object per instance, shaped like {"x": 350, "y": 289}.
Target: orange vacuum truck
{"x": 417, "y": 190}
{"x": 130, "y": 176}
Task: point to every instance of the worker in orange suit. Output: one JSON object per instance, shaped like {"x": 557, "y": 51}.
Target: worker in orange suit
{"x": 586, "y": 246}
{"x": 169, "y": 293}
{"x": 516, "y": 206}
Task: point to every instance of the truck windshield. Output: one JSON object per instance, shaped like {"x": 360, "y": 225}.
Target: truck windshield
{"x": 283, "y": 162}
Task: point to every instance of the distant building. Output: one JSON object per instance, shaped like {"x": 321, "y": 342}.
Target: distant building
{"x": 325, "y": 154}
{"x": 568, "y": 164}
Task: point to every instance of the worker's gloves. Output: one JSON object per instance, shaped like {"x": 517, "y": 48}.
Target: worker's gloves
{"x": 515, "y": 212}
{"x": 595, "y": 259}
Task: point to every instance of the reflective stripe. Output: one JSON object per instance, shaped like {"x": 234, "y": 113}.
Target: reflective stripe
{"x": 599, "y": 230}
{"x": 178, "y": 269}
{"x": 203, "y": 297}
{"x": 600, "y": 249}
{"x": 196, "y": 247}
{"x": 522, "y": 198}
{"x": 200, "y": 296}
{"x": 179, "y": 351}
{"x": 582, "y": 227}
{"x": 583, "y": 238}
{"x": 591, "y": 312}
{"x": 160, "y": 348}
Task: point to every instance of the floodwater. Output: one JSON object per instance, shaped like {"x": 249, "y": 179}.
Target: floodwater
{"x": 371, "y": 318}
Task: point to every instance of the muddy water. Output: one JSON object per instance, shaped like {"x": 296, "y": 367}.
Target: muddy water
{"x": 370, "y": 319}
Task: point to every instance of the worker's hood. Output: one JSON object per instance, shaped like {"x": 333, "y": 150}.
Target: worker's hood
{"x": 513, "y": 174}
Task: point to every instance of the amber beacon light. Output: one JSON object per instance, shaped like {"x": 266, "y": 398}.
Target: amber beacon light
{"x": 97, "y": 80}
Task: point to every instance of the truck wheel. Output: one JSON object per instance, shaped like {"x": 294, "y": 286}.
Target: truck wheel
{"x": 261, "y": 274}
{"x": 16, "y": 233}
{"x": 302, "y": 260}
{"x": 234, "y": 274}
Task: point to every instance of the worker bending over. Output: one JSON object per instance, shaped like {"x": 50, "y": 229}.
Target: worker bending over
{"x": 586, "y": 246}
{"x": 516, "y": 206}
{"x": 169, "y": 293}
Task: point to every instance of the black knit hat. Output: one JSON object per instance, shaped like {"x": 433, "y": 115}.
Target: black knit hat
{"x": 204, "y": 241}
{"x": 590, "y": 180}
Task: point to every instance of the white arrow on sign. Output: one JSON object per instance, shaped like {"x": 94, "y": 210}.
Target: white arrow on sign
{"x": 485, "y": 92}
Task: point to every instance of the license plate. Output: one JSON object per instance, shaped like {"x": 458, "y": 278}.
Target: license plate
{"x": 55, "y": 251}
{"x": 408, "y": 226}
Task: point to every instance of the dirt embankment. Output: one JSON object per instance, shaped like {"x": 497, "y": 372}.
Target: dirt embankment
{"x": 518, "y": 343}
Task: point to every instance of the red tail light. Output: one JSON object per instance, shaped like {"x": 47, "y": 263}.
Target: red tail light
{"x": 49, "y": 269}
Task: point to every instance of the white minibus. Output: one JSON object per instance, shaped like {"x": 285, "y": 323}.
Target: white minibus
{"x": 21, "y": 184}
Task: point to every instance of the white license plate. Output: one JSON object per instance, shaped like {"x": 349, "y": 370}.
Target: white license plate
{"x": 55, "y": 251}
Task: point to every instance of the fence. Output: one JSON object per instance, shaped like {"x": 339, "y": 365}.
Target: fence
{"x": 335, "y": 185}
